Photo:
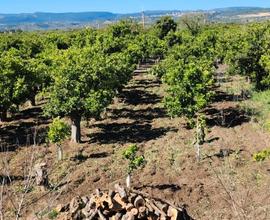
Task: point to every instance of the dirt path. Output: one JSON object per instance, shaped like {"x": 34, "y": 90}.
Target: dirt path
{"x": 131, "y": 119}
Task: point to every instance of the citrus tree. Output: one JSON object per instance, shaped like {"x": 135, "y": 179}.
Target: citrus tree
{"x": 134, "y": 161}
{"x": 58, "y": 132}
{"x": 84, "y": 83}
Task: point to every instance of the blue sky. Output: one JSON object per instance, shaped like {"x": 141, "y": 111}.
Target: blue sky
{"x": 121, "y": 6}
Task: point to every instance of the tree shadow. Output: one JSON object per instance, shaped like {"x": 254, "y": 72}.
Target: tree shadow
{"x": 147, "y": 114}
{"x": 99, "y": 155}
{"x": 146, "y": 82}
{"x": 33, "y": 112}
{"x": 223, "y": 96}
{"x": 23, "y": 134}
{"x": 139, "y": 97}
{"x": 172, "y": 187}
{"x": 127, "y": 132}
{"x": 228, "y": 117}
{"x": 212, "y": 140}
{"x": 222, "y": 153}
{"x": 7, "y": 180}
{"x": 141, "y": 87}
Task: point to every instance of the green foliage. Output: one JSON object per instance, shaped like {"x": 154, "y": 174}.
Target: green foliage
{"x": 200, "y": 129}
{"x": 262, "y": 155}
{"x": 193, "y": 22}
{"x": 189, "y": 76}
{"x": 80, "y": 71}
{"x": 84, "y": 82}
{"x": 53, "y": 214}
{"x": 190, "y": 93}
{"x": 164, "y": 26}
{"x": 188, "y": 71}
{"x": 22, "y": 70}
{"x": 134, "y": 160}
{"x": 245, "y": 49}
{"x": 258, "y": 106}
{"x": 58, "y": 131}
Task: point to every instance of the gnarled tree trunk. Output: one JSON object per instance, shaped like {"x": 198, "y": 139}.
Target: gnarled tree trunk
{"x": 33, "y": 100}
{"x": 3, "y": 115}
{"x": 76, "y": 128}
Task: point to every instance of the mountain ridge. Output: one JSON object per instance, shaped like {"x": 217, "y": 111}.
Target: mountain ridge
{"x": 63, "y": 20}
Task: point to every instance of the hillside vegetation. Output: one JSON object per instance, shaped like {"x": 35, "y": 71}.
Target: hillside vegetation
{"x": 189, "y": 98}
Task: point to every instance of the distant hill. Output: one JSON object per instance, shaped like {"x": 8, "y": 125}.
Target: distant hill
{"x": 43, "y": 20}
{"x": 40, "y": 17}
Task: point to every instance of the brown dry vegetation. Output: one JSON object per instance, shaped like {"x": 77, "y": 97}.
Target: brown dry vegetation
{"x": 219, "y": 187}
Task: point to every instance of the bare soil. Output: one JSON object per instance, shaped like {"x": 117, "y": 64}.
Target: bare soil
{"x": 221, "y": 186}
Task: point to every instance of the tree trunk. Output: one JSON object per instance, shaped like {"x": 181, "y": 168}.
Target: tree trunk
{"x": 3, "y": 115}
{"x": 76, "y": 128}
{"x": 33, "y": 100}
{"x": 59, "y": 152}
{"x": 198, "y": 152}
{"x": 197, "y": 145}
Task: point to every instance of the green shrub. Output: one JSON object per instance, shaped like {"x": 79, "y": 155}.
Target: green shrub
{"x": 52, "y": 214}
{"x": 258, "y": 107}
{"x": 58, "y": 131}
{"x": 262, "y": 155}
{"x": 134, "y": 161}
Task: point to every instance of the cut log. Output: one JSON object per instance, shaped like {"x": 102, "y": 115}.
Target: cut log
{"x": 75, "y": 204}
{"x": 85, "y": 199}
{"x": 111, "y": 194}
{"x": 101, "y": 216}
{"x": 128, "y": 216}
{"x": 139, "y": 201}
{"x": 121, "y": 205}
{"x": 119, "y": 200}
{"x": 155, "y": 208}
{"x": 149, "y": 207}
{"x": 93, "y": 215}
{"x": 98, "y": 193}
{"x": 134, "y": 211}
{"x": 117, "y": 216}
{"x": 129, "y": 206}
{"x": 164, "y": 201}
{"x": 142, "y": 212}
{"x": 142, "y": 209}
{"x": 172, "y": 213}
{"x": 162, "y": 206}
{"x": 121, "y": 191}
{"x": 132, "y": 197}
{"x": 87, "y": 212}
{"x": 163, "y": 217}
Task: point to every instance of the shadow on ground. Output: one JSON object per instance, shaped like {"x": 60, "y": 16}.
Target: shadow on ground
{"x": 140, "y": 130}
{"x": 139, "y": 97}
{"x": 22, "y": 134}
{"x": 228, "y": 117}
{"x": 7, "y": 180}
{"x": 127, "y": 132}
{"x": 147, "y": 114}
{"x": 222, "y": 97}
{"x": 172, "y": 187}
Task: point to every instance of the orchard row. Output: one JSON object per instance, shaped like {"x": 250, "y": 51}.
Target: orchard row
{"x": 78, "y": 72}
